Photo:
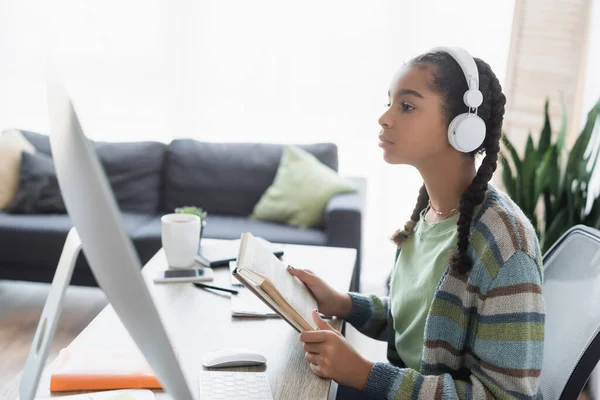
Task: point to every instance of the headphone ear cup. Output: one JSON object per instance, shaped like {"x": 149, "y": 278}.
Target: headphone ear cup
{"x": 466, "y": 132}
{"x": 452, "y": 130}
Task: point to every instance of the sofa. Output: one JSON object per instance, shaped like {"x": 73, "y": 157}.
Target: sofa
{"x": 150, "y": 179}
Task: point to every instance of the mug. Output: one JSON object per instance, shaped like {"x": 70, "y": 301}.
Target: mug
{"x": 180, "y": 239}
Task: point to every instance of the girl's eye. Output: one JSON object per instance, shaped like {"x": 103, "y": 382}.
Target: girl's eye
{"x": 407, "y": 107}
{"x": 387, "y": 105}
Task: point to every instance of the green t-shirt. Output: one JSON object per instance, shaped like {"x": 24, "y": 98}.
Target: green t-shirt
{"x": 424, "y": 257}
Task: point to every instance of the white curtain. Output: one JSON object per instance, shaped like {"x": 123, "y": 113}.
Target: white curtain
{"x": 237, "y": 70}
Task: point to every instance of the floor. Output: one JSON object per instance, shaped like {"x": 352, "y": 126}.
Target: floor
{"x": 21, "y": 305}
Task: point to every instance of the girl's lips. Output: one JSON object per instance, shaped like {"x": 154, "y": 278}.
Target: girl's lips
{"x": 385, "y": 143}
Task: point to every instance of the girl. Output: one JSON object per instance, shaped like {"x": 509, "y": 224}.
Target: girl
{"x": 465, "y": 315}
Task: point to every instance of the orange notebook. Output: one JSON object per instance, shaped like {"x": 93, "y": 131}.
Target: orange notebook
{"x": 101, "y": 369}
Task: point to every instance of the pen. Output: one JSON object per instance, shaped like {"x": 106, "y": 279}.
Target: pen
{"x": 205, "y": 286}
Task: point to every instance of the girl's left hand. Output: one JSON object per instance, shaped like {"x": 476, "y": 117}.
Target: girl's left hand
{"x": 331, "y": 356}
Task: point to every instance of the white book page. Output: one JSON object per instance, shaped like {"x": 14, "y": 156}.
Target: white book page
{"x": 259, "y": 258}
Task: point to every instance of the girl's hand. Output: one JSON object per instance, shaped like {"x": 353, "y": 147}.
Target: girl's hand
{"x": 330, "y": 301}
{"x": 331, "y": 356}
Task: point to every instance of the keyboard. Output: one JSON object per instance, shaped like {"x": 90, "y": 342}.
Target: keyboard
{"x": 225, "y": 385}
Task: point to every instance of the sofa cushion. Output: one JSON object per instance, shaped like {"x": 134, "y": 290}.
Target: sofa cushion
{"x": 41, "y": 143}
{"x": 147, "y": 237}
{"x": 226, "y": 178}
{"x": 37, "y": 240}
{"x": 39, "y": 192}
{"x": 302, "y": 188}
{"x": 134, "y": 170}
{"x": 12, "y": 144}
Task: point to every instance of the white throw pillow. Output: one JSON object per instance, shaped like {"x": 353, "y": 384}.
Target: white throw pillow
{"x": 12, "y": 144}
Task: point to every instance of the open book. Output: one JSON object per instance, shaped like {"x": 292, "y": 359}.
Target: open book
{"x": 267, "y": 277}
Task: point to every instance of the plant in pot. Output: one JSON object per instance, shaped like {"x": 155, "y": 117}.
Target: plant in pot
{"x": 552, "y": 184}
{"x": 194, "y": 211}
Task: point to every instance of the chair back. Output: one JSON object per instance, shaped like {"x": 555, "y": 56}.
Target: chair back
{"x": 572, "y": 301}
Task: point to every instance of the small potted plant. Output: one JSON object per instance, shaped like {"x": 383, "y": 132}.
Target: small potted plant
{"x": 194, "y": 211}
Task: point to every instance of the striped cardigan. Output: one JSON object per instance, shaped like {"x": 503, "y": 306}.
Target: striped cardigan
{"x": 484, "y": 333}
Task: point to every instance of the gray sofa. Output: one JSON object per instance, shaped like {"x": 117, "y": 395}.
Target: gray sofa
{"x": 150, "y": 179}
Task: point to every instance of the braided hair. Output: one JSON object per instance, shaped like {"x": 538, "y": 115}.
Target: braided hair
{"x": 448, "y": 80}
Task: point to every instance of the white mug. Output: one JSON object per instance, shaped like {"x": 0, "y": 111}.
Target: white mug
{"x": 180, "y": 239}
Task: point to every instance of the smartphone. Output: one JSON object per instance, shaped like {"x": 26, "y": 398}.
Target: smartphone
{"x": 185, "y": 275}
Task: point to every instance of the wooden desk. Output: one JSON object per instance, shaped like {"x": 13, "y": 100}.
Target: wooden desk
{"x": 199, "y": 322}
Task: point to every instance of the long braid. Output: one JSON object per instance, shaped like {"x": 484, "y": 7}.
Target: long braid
{"x": 493, "y": 113}
{"x": 401, "y": 235}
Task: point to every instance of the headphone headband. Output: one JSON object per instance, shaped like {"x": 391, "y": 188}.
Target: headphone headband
{"x": 473, "y": 97}
{"x": 466, "y": 63}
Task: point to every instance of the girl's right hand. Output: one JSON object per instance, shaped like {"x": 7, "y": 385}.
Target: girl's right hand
{"x": 330, "y": 301}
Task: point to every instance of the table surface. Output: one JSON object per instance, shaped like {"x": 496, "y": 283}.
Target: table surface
{"x": 199, "y": 321}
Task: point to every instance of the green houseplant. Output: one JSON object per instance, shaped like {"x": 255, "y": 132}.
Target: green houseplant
{"x": 551, "y": 184}
{"x": 194, "y": 211}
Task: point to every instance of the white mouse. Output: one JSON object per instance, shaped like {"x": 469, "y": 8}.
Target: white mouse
{"x": 233, "y": 358}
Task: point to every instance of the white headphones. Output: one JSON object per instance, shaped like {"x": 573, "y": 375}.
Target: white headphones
{"x": 466, "y": 132}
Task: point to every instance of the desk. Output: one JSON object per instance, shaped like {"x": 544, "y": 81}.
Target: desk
{"x": 199, "y": 322}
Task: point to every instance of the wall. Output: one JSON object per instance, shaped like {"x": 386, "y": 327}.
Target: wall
{"x": 233, "y": 70}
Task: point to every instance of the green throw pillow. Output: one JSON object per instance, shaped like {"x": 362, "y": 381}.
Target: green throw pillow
{"x": 301, "y": 189}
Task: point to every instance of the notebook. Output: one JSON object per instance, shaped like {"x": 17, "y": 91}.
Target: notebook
{"x": 101, "y": 369}
{"x": 216, "y": 254}
{"x": 268, "y": 279}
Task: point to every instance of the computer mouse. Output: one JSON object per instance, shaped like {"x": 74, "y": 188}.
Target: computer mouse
{"x": 233, "y": 357}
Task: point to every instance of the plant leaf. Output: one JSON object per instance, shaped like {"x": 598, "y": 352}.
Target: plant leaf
{"x": 528, "y": 173}
{"x": 593, "y": 218}
{"x": 507, "y": 177}
{"x": 548, "y": 207}
{"x": 576, "y": 164}
{"x": 514, "y": 155}
{"x": 593, "y": 152}
{"x": 546, "y": 134}
{"x": 558, "y": 226}
{"x": 562, "y": 132}
{"x": 542, "y": 174}
{"x": 554, "y": 175}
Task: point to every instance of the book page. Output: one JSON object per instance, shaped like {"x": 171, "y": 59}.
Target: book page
{"x": 255, "y": 256}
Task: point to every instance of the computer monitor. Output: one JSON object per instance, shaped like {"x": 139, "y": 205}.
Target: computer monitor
{"x": 93, "y": 210}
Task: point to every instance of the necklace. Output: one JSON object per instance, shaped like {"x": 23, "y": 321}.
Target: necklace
{"x": 445, "y": 215}
{"x": 441, "y": 212}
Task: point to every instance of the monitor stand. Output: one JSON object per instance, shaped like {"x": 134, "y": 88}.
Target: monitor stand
{"x": 49, "y": 319}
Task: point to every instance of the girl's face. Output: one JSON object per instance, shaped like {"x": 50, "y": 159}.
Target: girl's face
{"x": 414, "y": 128}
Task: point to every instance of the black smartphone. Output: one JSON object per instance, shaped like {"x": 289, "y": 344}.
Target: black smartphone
{"x": 185, "y": 275}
